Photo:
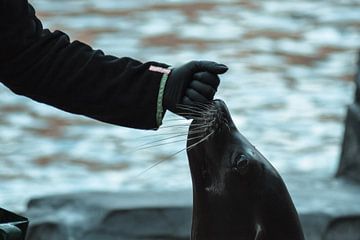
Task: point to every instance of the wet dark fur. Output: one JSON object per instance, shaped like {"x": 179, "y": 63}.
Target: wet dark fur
{"x": 237, "y": 193}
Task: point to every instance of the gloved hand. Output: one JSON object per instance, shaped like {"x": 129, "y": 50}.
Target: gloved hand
{"x": 192, "y": 83}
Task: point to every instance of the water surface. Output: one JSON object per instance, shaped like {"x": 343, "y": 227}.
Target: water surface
{"x": 290, "y": 79}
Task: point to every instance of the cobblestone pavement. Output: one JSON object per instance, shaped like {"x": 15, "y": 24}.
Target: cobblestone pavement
{"x": 290, "y": 79}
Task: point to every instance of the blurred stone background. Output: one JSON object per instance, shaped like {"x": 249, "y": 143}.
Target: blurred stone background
{"x": 292, "y": 65}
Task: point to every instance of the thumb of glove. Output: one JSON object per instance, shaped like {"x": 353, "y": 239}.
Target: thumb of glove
{"x": 209, "y": 66}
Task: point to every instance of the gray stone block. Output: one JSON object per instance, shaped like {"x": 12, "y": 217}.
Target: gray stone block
{"x": 345, "y": 228}
{"x": 314, "y": 224}
{"x": 108, "y": 216}
{"x": 329, "y": 209}
{"x": 153, "y": 223}
{"x": 44, "y": 230}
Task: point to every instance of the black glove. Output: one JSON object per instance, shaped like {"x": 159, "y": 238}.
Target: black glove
{"x": 192, "y": 83}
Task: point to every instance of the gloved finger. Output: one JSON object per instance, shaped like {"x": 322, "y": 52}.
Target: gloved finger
{"x": 208, "y": 78}
{"x": 209, "y": 66}
{"x": 204, "y": 89}
{"x": 186, "y": 101}
{"x": 195, "y": 96}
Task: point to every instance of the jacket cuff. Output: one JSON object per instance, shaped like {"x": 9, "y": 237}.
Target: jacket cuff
{"x": 160, "y": 112}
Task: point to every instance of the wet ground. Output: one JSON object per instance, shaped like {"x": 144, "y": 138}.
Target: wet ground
{"x": 291, "y": 70}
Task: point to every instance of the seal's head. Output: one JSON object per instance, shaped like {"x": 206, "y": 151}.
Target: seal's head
{"x": 237, "y": 193}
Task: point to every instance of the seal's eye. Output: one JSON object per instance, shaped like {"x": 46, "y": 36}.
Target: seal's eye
{"x": 241, "y": 164}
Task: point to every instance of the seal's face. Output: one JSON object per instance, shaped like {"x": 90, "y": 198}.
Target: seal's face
{"x": 225, "y": 159}
{"x": 231, "y": 180}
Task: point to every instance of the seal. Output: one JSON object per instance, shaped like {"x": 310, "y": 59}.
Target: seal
{"x": 237, "y": 193}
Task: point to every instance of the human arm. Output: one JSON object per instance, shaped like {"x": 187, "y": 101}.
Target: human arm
{"x": 48, "y": 68}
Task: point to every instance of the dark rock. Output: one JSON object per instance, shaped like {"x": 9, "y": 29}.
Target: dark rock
{"x": 357, "y": 82}
{"x": 328, "y": 208}
{"x": 349, "y": 166}
{"x": 350, "y": 155}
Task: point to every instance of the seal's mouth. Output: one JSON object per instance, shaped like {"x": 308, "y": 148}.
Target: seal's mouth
{"x": 205, "y": 145}
{"x": 210, "y": 120}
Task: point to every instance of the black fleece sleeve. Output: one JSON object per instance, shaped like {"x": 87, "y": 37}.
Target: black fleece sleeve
{"x": 48, "y": 68}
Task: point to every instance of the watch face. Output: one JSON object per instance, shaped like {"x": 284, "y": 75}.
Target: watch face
{"x": 12, "y": 226}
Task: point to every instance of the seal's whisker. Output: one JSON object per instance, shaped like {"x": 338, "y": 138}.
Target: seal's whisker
{"x": 197, "y": 134}
{"x": 160, "y": 161}
{"x": 186, "y": 125}
{"x": 206, "y": 105}
{"x": 191, "y": 109}
{"x": 177, "y": 119}
{"x": 196, "y": 131}
{"x": 226, "y": 122}
{"x": 149, "y": 168}
{"x": 199, "y": 130}
{"x": 163, "y": 139}
{"x": 197, "y": 110}
{"x": 200, "y": 126}
{"x": 172, "y": 136}
{"x": 172, "y": 155}
{"x": 198, "y": 107}
{"x": 193, "y": 114}
{"x": 202, "y": 140}
{"x": 208, "y": 122}
{"x": 199, "y": 104}
{"x": 163, "y": 134}
{"x": 205, "y": 116}
{"x": 182, "y": 106}
{"x": 166, "y": 143}
{"x": 194, "y": 138}
{"x": 158, "y": 145}
{"x": 208, "y": 108}
{"x": 176, "y": 125}
{"x": 197, "y": 124}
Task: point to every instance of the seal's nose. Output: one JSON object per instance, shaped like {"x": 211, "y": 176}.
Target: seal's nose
{"x": 224, "y": 112}
{"x": 221, "y": 106}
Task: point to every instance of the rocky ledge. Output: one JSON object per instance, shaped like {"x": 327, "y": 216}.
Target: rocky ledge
{"x": 329, "y": 209}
